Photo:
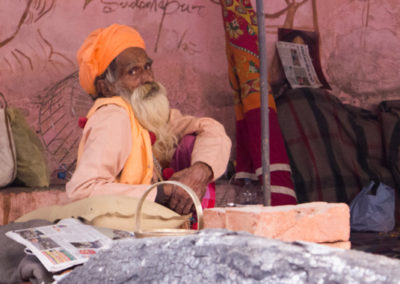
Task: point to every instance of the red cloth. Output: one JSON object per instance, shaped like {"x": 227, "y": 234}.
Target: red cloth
{"x": 167, "y": 173}
{"x": 82, "y": 122}
{"x": 153, "y": 137}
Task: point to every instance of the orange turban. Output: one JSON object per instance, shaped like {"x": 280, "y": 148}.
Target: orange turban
{"x": 100, "y": 48}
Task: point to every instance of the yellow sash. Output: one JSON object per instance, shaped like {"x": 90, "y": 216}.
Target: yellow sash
{"x": 138, "y": 168}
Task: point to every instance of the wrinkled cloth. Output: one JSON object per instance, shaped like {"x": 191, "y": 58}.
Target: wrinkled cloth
{"x": 241, "y": 33}
{"x": 109, "y": 148}
{"x": 138, "y": 168}
{"x": 15, "y": 265}
{"x": 98, "y": 51}
{"x": 336, "y": 149}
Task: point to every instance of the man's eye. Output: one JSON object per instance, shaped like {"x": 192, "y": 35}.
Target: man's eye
{"x": 147, "y": 67}
{"x": 134, "y": 71}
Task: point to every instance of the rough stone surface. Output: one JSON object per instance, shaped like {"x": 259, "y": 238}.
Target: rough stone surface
{"x": 222, "y": 256}
{"x": 312, "y": 222}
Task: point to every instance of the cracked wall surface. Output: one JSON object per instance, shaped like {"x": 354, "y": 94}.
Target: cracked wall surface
{"x": 359, "y": 48}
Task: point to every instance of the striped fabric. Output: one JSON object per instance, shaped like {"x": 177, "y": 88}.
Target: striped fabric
{"x": 336, "y": 149}
{"x": 389, "y": 114}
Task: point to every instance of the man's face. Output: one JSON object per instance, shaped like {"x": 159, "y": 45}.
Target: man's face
{"x": 133, "y": 68}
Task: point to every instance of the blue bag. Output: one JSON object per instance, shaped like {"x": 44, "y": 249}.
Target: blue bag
{"x": 373, "y": 208}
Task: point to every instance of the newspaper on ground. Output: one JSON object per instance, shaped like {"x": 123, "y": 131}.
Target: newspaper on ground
{"x": 297, "y": 65}
{"x": 65, "y": 244}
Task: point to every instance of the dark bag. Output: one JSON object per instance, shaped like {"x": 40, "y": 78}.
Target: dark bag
{"x": 373, "y": 208}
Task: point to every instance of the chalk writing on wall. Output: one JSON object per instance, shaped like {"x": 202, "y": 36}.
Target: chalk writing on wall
{"x": 34, "y": 10}
{"x": 167, "y": 8}
{"x": 186, "y": 45}
{"x": 30, "y": 47}
{"x": 290, "y": 11}
{"x": 19, "y": 56}
{"x": 60, "y": 106}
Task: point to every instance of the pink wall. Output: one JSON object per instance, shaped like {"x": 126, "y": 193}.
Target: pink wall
{"x": 360, "y": 49}
{"x": 39, "y": 40}
{"x": 185, "y": 39}
{"x": 359, "y": 43}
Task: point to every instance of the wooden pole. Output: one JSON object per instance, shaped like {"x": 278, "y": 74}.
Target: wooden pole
{"x": 266, "y": 181}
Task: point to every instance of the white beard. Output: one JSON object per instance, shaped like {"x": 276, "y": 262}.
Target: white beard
{"x": 151, "y": 108}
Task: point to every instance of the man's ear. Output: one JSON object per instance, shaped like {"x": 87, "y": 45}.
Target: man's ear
{"x": 104, "y": 88}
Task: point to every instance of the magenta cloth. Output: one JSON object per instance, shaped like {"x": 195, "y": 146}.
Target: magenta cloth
{"x": 182, "y": 160}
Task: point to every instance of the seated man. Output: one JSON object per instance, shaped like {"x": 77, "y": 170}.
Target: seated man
{"x": 115, "y": 155}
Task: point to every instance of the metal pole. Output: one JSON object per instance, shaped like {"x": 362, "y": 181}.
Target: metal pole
{"x": 266, "y": 181}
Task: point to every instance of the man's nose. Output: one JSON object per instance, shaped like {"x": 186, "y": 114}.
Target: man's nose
{"x": 147, "y": 76}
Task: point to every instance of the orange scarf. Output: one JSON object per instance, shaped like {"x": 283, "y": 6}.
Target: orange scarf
{"x": 138, "y": 168}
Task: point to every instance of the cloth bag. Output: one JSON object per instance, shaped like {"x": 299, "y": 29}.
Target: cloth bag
{"x": 32, "y": 168}
{"x": 111, "y": 211}
{"x": 8, "y": 168}
{"x": 373, "y": 208}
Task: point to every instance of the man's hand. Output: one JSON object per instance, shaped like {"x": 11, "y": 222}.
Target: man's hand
{"x": 196, "y": 177}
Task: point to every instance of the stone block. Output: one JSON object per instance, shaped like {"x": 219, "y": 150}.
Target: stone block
{"x": 214, "y": 218}
{"x": 319, "y": 222}
{"x": 340, "y": 245}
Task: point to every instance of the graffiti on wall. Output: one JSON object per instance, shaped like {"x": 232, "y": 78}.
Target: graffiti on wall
{"x": 33, "y": 11}
{"x": 61, "y": 103}
{"x": 29, "y": 50}
{"x": 361, "y": 62}
{"x": 168, "y": 8}
{"x": 358, "y": 38}
{"x": 60, "y": 107}
{"x": 289, "y": 12}
{"x": 17, "y": 54}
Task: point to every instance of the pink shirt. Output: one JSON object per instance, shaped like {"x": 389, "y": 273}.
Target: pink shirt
{"x": 108, "y": 148}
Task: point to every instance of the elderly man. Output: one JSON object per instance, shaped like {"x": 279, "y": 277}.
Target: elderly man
{"x": 116, "y": 155}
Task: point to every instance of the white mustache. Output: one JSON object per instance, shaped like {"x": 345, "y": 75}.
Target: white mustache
{"x": 147, "y": 90}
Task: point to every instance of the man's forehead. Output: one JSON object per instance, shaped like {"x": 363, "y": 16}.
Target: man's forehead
{"x": 133, "y": 55}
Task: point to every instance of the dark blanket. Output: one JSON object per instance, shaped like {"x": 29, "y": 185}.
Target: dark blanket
{"x": 336, "y": 149}
{"x": 15, "y": 265}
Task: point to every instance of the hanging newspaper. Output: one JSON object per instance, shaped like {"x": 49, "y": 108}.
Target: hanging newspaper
{"x": 62, "y": 245}
{"x": 297, "y": 65}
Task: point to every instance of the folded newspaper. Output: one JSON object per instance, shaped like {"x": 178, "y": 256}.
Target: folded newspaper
{"x": 297, "y": 65}
{"x": 65, "y": 244}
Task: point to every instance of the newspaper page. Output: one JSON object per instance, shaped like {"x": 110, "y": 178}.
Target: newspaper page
{"x": 62, "y": 245}
{"x": 297, "y": 65}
